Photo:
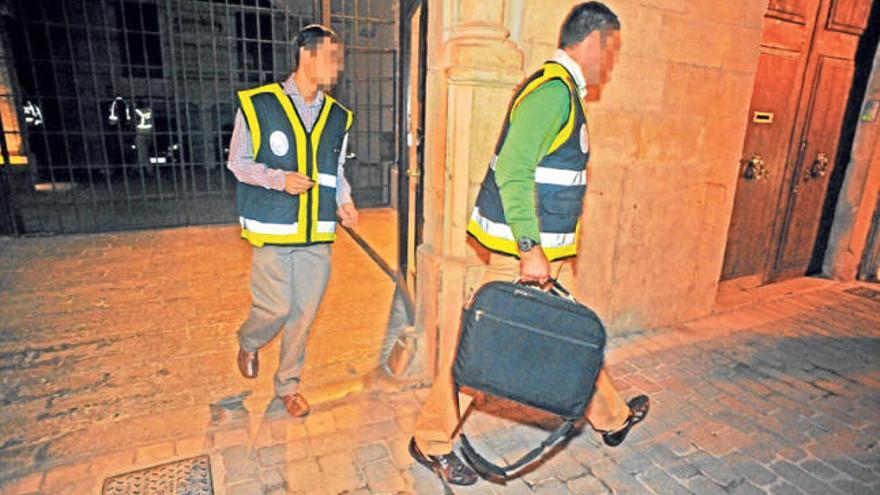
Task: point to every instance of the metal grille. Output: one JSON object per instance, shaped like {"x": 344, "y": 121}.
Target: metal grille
{"x": 186, "y": 477}
{"x": 82, "y": 74}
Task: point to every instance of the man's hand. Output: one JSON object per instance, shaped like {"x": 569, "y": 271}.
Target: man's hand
{"x": 349, "y": 214}
{"x": 296, "y": 183}
{"x": 534, "y": 267}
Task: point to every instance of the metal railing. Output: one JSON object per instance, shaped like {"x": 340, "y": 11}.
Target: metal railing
{"x": 124, "y": 108}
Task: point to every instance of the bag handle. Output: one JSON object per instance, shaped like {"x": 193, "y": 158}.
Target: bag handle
{"x": 555, "y": 288}
{"x": 487, "y": 469}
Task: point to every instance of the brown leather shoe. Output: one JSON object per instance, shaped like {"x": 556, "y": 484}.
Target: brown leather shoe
{"x": 248, "y": 363}
{"x": 448, "y": 467}
{"x": 296, "y": 405}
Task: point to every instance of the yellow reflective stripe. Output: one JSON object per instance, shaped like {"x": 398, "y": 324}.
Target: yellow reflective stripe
{"x": 565, "y": 133}
{"x": 507, "y": 246}
{"x": 350, "y": 120}
{"x": 498, "y": 244}
{"x": 552, "y": 71}
{"x": 299, "y": 133}
{"x": 525, "y": 92}
{"x": 247, "y": 106}
{"x": 258, "y": 239}
{"x": 317, "y": 131}
{"x": 554, "y": 254}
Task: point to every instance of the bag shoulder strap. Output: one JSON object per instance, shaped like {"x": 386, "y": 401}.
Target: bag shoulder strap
{"x": 488, "y": 469}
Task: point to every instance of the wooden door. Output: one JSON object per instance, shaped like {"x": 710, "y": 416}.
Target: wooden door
{"x": 801, "y": 88}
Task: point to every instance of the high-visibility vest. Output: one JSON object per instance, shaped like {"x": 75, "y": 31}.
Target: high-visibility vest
{"x": 560, "y": 179}
{"x": 281, "y": 141}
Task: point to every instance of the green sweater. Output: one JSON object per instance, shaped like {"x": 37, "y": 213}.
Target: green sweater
{"x": 534, "y": 124}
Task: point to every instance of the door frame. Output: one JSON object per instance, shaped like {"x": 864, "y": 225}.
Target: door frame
{"x": 406, "y": 171}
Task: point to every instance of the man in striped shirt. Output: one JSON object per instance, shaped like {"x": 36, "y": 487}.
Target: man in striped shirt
{"x": 288, "y": 151}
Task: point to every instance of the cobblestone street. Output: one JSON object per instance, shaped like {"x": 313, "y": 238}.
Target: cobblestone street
{"x": 118, "y": 351}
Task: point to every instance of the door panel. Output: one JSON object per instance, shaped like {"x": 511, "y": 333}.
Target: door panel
{"x": 751, "y": 225}
{"x": 830, "y": 89}
{"x": 796, "y": 10}
{"x": 849, "y": 16}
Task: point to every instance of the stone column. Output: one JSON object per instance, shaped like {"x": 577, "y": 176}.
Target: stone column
{"x": 473, "y": 67}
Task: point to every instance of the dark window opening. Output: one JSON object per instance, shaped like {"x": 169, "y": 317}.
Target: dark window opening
{"x": 140, "y": 43}
{"x": 254, "y": 45}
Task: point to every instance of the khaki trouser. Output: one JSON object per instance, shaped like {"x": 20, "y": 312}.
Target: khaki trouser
{"x": 441, "y": 414}
{"x": 287, "y": 285}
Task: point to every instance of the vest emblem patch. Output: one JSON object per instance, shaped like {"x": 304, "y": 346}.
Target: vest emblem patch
{"x": 585, "y": 139}
{"x": 278, "y": 143}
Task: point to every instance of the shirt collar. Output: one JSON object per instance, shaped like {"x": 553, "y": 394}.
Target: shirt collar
{"x": 566, "y": 61}
{"x": 291, "y": 89}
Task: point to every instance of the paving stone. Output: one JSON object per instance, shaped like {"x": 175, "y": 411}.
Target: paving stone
{"x": 705, "y": 486}
{"x": 24, "y": 485}
{"x": 622, "y": 483}
{"x": 239, "y": 464}
{"x": 341, "y": 473}
{"x": 57, "y": 478}
{"x": 819, "y": 469}
{"x": 785, "y": 489}
{"x": 370, "y": 453}
{"x": 754, "y": 472}
{"x": 683, "y": 470}
{"x": 382, "y": 476}
{"x": 587, "y": 485}
{"x": 661, "y": 483}
{"x": 252, "y": 487}
{"x": 551, "y": 487}
{"x": 565, "y": 467}
{"x": 745, "y": 488}
{"x": 303, "y": 475}
{"x": 273, "y": 480}
{"x": 800, "y": 478}
{"x": 272, "y": 456}
{"x": 858, "y": 473}
{"x": 848, "y": 486}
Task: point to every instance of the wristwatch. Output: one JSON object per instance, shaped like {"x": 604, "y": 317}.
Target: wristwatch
{"x": 525, "y": 244}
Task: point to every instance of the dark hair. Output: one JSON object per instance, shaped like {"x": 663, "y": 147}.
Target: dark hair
{"x": 310, "y": 37}
{"x": 584, "y": 19}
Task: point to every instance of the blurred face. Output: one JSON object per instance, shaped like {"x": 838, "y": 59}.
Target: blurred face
{"x": 323, "y": 63}
{"x": 597, "y": 54}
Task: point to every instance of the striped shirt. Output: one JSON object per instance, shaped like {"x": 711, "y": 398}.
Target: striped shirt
{"x": 241, "y": 149}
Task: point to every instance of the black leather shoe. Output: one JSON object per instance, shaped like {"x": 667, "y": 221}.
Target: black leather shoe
{"x": 448, "y": 467}
{"x": 638, "y": 409}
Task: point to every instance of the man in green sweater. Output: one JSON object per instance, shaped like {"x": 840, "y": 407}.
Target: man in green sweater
{"x": 527, "y": 215}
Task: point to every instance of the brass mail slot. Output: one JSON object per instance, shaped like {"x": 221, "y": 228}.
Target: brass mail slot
{"x": 763, "y": 118}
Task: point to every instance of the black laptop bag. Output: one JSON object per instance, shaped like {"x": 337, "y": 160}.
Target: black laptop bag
{"x": 539, "y": 348}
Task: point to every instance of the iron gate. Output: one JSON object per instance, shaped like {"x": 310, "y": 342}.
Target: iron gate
{"x": 118, "y": 113}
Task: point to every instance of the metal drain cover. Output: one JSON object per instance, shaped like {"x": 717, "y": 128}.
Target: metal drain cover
{"x": 185, "y": 477}
{"x": 865, "y": 292}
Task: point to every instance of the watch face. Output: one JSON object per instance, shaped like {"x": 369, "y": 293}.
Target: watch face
{"x": 526, "y": 244}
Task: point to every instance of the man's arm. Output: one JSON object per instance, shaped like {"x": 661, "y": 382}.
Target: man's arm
{"x": 533, "y": 127}
{"x": 346, "y": 211}
{"x": 241, "y": 160}
{"x": 247, "y": 170}
{"x": 343, "y": 188}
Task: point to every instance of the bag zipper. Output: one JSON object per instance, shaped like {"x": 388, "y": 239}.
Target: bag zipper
{"x": 479, "y": 314}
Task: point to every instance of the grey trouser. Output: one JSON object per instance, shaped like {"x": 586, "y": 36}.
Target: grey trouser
{"x": 287, "y": 285}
